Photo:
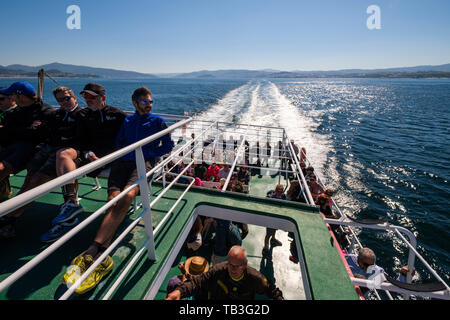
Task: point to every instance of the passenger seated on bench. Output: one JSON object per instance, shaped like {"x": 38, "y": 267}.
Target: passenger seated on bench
{"x": 294, "y": 192}
{"x": 23, "y": 129}
{"x": 310, "y": 173}
{"x": 212, "y": 174}
{"x": 222, "y": 183}
{"x": 123, "y": 174}
{"x": 232, "y": 182}
{"x": 7, "y": 104}
{"x": 181, "y": 167}
{"x": 243, "y": 175}
{"x": 98, "y": 129}
{"x": 63, "y": 126}
{"x": 324, "y": 202}
{"x": 225, "y": 171}
{"x": 200, "y": 170}
{"x": 238, "y": 187}
{"x": 303, "y": 168}
{"x": 173, "y": 169}
{"x": 315, "y": 188}
{"x": 359, "y": 265}
{"x": 303, "y": 156}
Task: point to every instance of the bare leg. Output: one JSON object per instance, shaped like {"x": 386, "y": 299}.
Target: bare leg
{"x": 65, "y": 162}
{"x": 114, "y": 216}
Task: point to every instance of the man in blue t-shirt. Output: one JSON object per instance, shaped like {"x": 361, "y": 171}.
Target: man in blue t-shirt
{"x": 135, "y": 127}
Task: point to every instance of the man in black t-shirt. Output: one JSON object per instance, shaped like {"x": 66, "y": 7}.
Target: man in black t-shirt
{"x": 62, "y": 133}
{"x": 97, "y": 131}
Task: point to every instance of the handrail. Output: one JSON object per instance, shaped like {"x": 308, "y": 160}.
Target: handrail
{"x": 114, "y": 244}
{"x": 28, "y": 196}
{"x": 319, "y": 180}
{"x": 308, "y": 192}
{"x": 412, "y": 243}
{"x": 234, "y": 162}
{"x": 423, "y": 261}
{"x": 443, "y": 294}
{"x": 32, "y": 194}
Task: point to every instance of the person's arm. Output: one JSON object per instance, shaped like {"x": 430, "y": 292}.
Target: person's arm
{"x": 264, "y": 286}
{"x": 192, "y": 287}
{"x": 161, "y": 146}
{"x": 403, "y": 273}
{"x": 120, "y": 141}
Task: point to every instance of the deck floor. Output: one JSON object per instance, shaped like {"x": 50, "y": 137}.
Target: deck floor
{"x": 44, "y": 281}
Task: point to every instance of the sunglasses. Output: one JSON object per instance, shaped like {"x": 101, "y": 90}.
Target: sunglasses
{"x": 65, "y": 99}
{"x": 88, "y": 96}
{"x": 146, "y": 102}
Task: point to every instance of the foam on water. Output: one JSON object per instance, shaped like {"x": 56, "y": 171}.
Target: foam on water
{"x": 261, "y": 103}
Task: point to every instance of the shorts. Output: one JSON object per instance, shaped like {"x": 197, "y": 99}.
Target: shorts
{"x": 44, "y": 161}
{"x": 18, "y": 155}
{"x": 124, "y": 173}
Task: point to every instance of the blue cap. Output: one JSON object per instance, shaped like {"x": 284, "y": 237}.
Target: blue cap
{"x": 172, "y": 284}
{"x": 20, "y": 88}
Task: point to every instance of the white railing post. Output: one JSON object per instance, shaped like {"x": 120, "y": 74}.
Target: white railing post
{"x": 145, "y": 197}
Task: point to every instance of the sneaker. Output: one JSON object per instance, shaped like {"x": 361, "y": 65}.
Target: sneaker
{"x": 7, "y": 228}
{"x": 68, "y": 212}
{"x": 59, "y": 230}
{"x": 275, "y": 242}
{"x": 79, "y": 265}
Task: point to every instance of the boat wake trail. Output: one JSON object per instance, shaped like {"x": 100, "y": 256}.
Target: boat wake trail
{"x": 259, "y": 102}
{"x": 232, "y": 104}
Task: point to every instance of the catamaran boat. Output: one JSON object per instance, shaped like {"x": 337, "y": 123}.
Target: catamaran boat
{"x": 150, "y": 243}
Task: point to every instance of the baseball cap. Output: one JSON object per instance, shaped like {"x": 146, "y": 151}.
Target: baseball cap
{"x": 94, "y": 89}
{"x": 172, "y": 284}
{"x": 20, "y": 87}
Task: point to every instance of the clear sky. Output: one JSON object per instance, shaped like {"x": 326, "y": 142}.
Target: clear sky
{"x": 191, "y": 35}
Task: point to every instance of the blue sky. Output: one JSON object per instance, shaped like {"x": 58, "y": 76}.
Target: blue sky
{"x": 183, "y": 36}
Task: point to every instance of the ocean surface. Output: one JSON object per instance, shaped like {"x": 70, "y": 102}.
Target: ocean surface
{"x": 381, "y": 144}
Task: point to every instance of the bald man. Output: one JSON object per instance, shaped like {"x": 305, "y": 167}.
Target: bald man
{"x": 230, "y": 280}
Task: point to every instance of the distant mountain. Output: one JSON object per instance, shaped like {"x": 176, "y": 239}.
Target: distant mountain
{"x": 225, "y": 74}
{"x": 413, "y": 72}
{"x": 68, "y": 70}
{"x": 14, "y": 73}
{"x": 81, "y": 70}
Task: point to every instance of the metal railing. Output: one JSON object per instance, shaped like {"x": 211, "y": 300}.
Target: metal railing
{"x": 31, "y": 195}
{"x": 190, "y": 147}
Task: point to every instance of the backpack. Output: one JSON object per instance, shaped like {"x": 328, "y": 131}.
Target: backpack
{"x": 234, "y": 236}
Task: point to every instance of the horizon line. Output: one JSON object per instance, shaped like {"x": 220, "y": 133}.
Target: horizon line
{"x": 233, "y": 69}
